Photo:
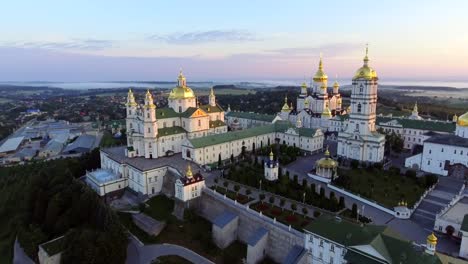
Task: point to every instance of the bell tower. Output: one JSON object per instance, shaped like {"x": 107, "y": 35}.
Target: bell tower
{"x": 150, "y": 126}
{"x": 212, "y": 98}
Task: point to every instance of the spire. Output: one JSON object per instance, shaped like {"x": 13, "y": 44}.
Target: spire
{"x": 327, "y": 152}
{"x": 285, "y": 106}
{"x": 320, "y": 74}
{"x": 212, "y": 98}
{"x": 271, "y": 154}
{"x": 181, "y": 81}
{"x": 131, "y": 98}
{"x": 320, "y": 62}
{"x": 211, "y": 91}
{"x": 149, "y": 100}
{"x": 366, "y": 58}
{"x": 415, "y": 108}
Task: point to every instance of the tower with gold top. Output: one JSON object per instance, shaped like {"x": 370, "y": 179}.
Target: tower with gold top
{"x": 189, "y": 186}
{"x": 431, "y": 243}
{"x": 360, "y": 140}
{"x": 150, "y": 126}
{"x": 271, "y": 168}
{"x": 181, "y": 97}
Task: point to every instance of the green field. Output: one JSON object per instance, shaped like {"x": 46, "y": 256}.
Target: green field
{"x": 385, "y": 187}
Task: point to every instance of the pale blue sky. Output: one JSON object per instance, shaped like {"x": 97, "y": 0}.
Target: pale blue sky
{"x": 242, "y": 40}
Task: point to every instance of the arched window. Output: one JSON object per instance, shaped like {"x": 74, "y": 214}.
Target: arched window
{"x": 149, "y": 130}
{"x": 361, "y": 88}
{"x": 359, "y": 108}
{"x": 148, "y": 115}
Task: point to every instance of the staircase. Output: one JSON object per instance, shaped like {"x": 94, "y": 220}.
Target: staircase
{"x": 446, "y": 189}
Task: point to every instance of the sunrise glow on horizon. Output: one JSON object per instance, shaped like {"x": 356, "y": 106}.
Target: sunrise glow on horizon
{"x": 242, "y": 40}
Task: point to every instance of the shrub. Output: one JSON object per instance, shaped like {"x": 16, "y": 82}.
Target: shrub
{"x": 272, "y": 199}
{"x": 410, "y": 174}
{"x": 317, "y": 214}
{"x": 304, "y": 210}
{"x": 354, "y": 211}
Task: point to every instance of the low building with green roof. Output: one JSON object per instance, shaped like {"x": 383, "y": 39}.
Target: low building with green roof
{"x": 209, "y": 149}
{"x": 334, "y": 240}
{"x": 248, "y": 119}
{"x": 414, "y": 131}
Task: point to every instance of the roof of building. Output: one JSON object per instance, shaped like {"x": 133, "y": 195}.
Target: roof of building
{"x": 246, "y": 133}
{"x": 211, "y": 109}
{"x": 83, "y": 143}
{"x": 167, "y": 131}
{"x": 11, "y": 144}
{"x": 369, "y": 242}
{"x": 255, "y": 237}
{"x": 448, "y": 140}
{"x": 166, "y": 112}
{"x": 189, "y": 112}
{"x": 251, "y": 115}
{"x": 102, "y": 175}
{"x": 464, "y": 225}
{"x": 217, "y": 123}
{"x": 432, "y": 125}
{"x": 54, "y": 246}
{"x": 293, "y": 255}
{"x": 194, "y": 179}
{"x": 26, "y": 152}
{"x": 53, "y": 146}
{"x": 223, "y": 219}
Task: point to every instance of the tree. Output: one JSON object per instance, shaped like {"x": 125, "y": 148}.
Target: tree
{"x": 282, "y": 203}
{"x": 295, "y": 179}
{"x": 354, "y": 211}
{"x": 304, "y": 183}
{"x": 341, "y": 203}
{"x": 261, "y": 197}
{"x": 225, "y": 184}
{"x": 236, "y": 188}
{"x": 449, "y": 230}
{"x": 322, "y": 192}
{"x": 232, "y": 158}
{"x": 272, "y": 199}
{"x": 220, "y": 162}
{"x": 293, "y": 207}
{"x": 248, "y": 192}
{"x": 304, "y": 211}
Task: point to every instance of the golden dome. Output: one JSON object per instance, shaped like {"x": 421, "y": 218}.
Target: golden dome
{"x": 271, "y": 154}
{"x": 182, "y": 91}
{"x": 335, "y": 84}
{"x": 304, "y": 85}
{"x": 365, "y": 72}
{"x": 326, "y": 112}
{"x": 189, "y": 173}
{"x": 131, "y": 98}
{"x": 432, "y": 239}
{"x": 320, "y": 74}
{"x": 463, "y": 120}
{"x": 327, "y": 162}
{"x": 149, "y": 100}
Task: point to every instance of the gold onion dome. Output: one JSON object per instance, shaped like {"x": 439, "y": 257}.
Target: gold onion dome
{"x": 432, "y": 238}
{"x": 149, "y": 99}
{"x": 365, "y": 72}
{"x": 326, "y": 112}
{"x": 336, "y": 84}
{"x": 131, "y": 98}
{"x": 463, "y": 120}
{"x": 320, "y": 74}
{"x": 303, "y": 85}
{"x": 182, "y": 91}
{"x": 189, "y": 173}
{"x": 271, "y": 154}
{"x": 327, "y": 162}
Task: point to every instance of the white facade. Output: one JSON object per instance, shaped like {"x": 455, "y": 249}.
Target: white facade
{"x": 271, "y": 168}
{"x": 153, "y": 133}
{"x": 360, "y": 140}
{"x": 322, "y": 250}
{"x": 190, "y": 186}
{"x": 209, "y": 151}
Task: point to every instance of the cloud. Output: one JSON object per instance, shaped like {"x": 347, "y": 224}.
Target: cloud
{"x": 329, "y": 50}
{"x": 74, "y": 44}
{"x": 205, "y": 36}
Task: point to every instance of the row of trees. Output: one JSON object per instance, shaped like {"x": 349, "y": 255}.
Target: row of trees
{"x": 44, "y": 200}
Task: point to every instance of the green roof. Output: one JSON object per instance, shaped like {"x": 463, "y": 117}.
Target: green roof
{"x": 167, "y": 131}
{"x": 251, "y": 115}
{"x": 217, "y": 123}
{"x": 211, "y": 109}
{"x": 189, "y": 112}
{"x": 361, "y": 240}
{"x": 166, "y": 112}
{"x": 431, "y": 125}
{"x": 246, "y": 133}
{"x": 464, "y": 225}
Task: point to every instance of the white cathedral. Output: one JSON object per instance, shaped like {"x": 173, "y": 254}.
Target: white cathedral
{"x": 357, "y": 137}
{"x": 155, "y": 132}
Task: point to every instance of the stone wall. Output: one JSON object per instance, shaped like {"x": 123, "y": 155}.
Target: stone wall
{"x": 281, "y": 238}
{"x": 224, "y": 236}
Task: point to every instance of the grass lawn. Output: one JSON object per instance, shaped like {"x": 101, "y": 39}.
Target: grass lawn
{"x": 193, "y": 233}
{"x": 384, "y": 187}
{"x": 160, "y": 207}
{"x": 240, "y": 198}
{"x": 287, "y": 217}
{"x": 108, "y": 140}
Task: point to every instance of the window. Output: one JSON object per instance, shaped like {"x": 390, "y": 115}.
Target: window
{"x": 332, "y": 249}
{"x": 442, "y": 150}
{"x": 173, "y": 123}
{"x": 455, "y": 151}
{"x": 149, "y": 130}
{"x": 164, "y": 124}
{"x": 321, "y": 242}
{"x": 428, "y": 162}
{"x": 148, "y": 115}
{"x": 180, "y": 109}
{"x": 359, "y": 108}
{"x": 430, "y": 151}
{"x": 199, "y": 122}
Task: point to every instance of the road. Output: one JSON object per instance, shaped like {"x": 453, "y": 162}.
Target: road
{"x": 145, "y": 254}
